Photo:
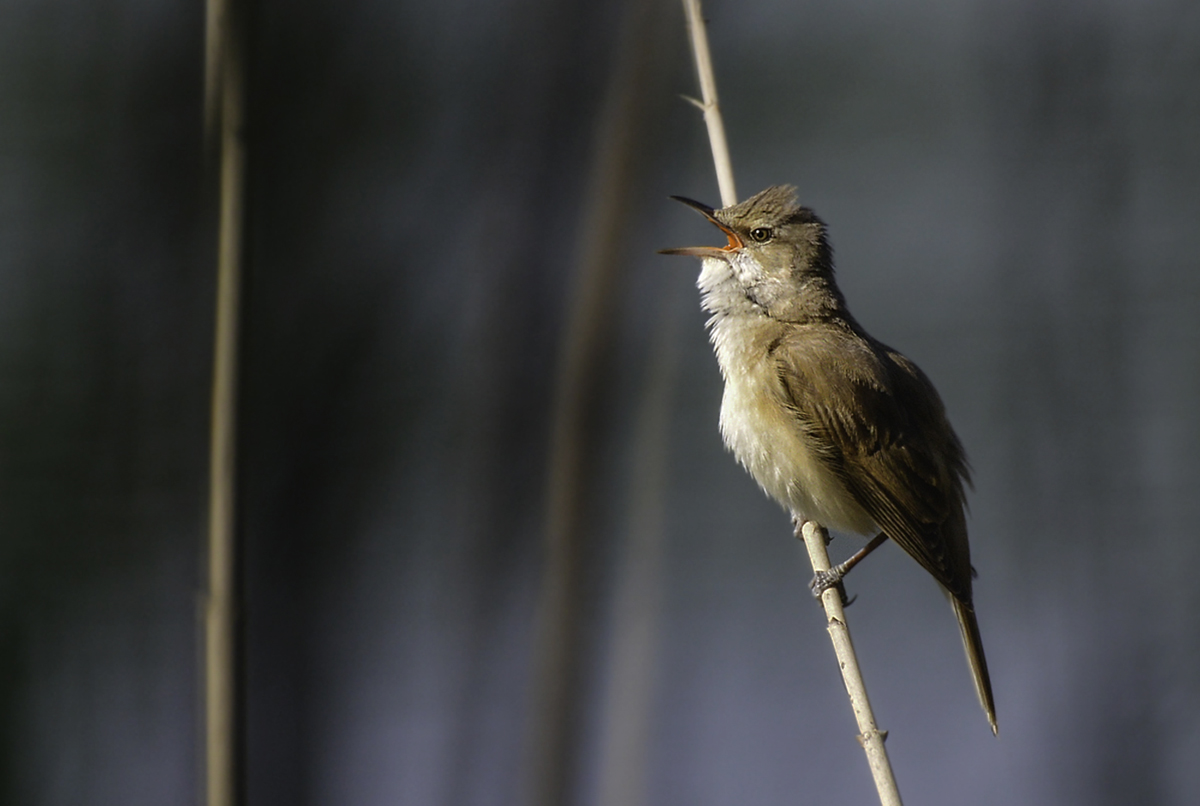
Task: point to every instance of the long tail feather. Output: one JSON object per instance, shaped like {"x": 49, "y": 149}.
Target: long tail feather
{"x": 973, "y": 644}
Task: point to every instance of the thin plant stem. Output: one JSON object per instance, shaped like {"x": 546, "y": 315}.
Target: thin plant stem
{"x": 224, "y": 94}
{"x": 698, "y": 34}
{"x": 869, "y": 735}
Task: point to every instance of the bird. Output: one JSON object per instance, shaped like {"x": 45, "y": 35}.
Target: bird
{"x": 833, "y": 424}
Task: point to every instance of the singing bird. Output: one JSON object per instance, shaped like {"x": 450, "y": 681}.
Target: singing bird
{"x": 833, "y": 424}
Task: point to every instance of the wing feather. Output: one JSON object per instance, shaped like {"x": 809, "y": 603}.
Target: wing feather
{"x": 880, "y": 426}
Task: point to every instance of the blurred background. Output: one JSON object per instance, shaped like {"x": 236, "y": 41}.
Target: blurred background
{"x": 495, "y": 552}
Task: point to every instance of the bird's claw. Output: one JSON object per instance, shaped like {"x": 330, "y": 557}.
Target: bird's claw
{"x": 824, "y": 580}
{"x": 798, "y": 524}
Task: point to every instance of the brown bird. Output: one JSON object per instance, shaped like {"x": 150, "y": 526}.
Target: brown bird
{"x": 833, "y": 424}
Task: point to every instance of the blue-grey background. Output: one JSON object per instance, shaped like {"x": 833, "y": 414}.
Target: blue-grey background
{"x": 1013, "y": 193}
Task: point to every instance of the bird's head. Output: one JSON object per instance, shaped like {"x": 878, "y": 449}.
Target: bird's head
{"x": 775, "y": 248}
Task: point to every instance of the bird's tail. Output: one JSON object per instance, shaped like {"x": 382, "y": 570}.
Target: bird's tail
{"x": 973, "y": 644}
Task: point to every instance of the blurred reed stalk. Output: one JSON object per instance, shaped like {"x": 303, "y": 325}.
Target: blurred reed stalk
{"x": 590, "y": 330}
{"x": 813, "y": 534}
{"x": 224, "y": 131}
{"x": 631, "y": 673}
{"x": 637, "y": 602}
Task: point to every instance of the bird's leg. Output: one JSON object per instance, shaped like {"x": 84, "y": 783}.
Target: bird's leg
{"x": 824, "y": 580}
{"x": 798, "y": 523}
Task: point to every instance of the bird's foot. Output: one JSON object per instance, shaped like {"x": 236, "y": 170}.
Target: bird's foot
{"x": 798, "y": 527}
{"x": 824, "y": 580}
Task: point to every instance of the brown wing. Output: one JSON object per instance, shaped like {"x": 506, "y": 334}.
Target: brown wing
{"x": 880, "y": 425}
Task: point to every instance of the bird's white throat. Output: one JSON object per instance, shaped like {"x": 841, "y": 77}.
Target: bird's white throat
{"x": 756, "y": 423}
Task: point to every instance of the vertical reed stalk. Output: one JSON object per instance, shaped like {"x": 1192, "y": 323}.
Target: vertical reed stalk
{"x": 225, "y": 107}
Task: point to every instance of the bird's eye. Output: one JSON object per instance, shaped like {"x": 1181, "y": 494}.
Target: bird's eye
{"x": 761, "y": 234}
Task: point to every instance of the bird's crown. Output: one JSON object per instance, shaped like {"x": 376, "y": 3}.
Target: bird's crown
{"x": 774, "y": 207}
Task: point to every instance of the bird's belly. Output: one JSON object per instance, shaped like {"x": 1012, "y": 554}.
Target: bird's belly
{"x": 769, "y": 443}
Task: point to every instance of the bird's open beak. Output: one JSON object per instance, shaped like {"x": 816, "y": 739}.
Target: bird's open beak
{"x": 734, "y": 244}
